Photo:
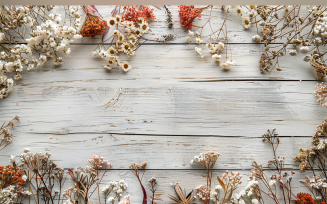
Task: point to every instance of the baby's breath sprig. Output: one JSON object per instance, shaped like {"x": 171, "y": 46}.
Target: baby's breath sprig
{"x": 208, "y": 161}
{"x": 214, "y": 42}
{"x": 308, "y": 32}
{"x": 46, "y": 35}
{"x": 7, "y": 137}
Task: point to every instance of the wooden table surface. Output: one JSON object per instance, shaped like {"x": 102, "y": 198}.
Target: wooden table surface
{"x": 170, "y": 107}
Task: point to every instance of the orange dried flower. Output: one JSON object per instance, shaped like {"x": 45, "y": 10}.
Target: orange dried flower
{"x": 188, "y": 13}
{"x": 132, "y": 13}
{"x": 93, "y": 25}
{"x": 305, "y": 198}
{"x": 10, "y": 175}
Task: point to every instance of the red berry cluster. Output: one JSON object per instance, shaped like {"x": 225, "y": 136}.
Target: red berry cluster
{"x": 187, "y": 14}
{"x": 305, "y": 198}
{"x": 132, "y": 13}
{"x": 93, "y": 26}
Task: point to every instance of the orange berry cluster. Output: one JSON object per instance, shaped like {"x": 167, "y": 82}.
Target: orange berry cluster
{"x": 93, "y": 27}
{"x": 132, "y": 13}
{"x": 187, "y": 14}
{"x": 10, "y": 175}
{"x": 305, "y": 198}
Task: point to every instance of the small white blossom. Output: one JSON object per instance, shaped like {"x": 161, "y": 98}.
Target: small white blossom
{"x": 256, "y": 38}
{"x": 292, "y": 52}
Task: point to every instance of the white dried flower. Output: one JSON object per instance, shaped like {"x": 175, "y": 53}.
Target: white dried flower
{"x": 198, "y": 40}
{"x": 272, "y": 183}
{"x": 2, "y": 36}
{"x": 216, "y": 57}
{"x": 224, "y": 65}
{"x": 256, "y": 38}
{"x": 246, "y": 22}
{"x": 292, "y": 52}
{"x": 304, "y": 49}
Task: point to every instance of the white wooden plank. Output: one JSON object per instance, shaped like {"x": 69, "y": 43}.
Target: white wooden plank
{"x": 163, "y": 107}
{"x": 172, "y": 63}
{"x": 160, "y": 152}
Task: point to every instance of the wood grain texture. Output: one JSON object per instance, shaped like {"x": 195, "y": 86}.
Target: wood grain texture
{"x": 170, "y": 107}
{"x": 230, "y": 108}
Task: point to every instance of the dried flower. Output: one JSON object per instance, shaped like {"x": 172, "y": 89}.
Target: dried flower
{"x": 168, "y": 17}
{"x": 2, "y": 36}
{"x": 216, "y": 57}
{"x": 256, "y": 38}
{"x": 292, "y": 52}
{"x": 225, "y": 66}
{"x": 125, "y": 201}
{"x": 132, "y": 13}
{"x": 93, "y": 25}
{"x": 304, "y": 49}
{"x": 246, "y": 22}
{"x": 7, "y": 137}
{"x": 188, "y": 13}
{"x": 182, "y": 197}
{"x": 98, "y": 162}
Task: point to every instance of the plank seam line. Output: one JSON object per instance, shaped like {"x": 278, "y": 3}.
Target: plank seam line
{"x": 131, "y": 134}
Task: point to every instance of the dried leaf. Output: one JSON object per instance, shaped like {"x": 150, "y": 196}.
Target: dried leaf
{"x": 230, "y": 196}
{"x": 182, "y": 198}
{"x": 222, "y": 184}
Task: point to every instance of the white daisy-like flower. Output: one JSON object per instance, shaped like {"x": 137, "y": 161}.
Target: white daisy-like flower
{"x": 239, "y": 10}
{"x": 116, "y": 32}
{"x": 132, "y": 39}
{"x": 140, "y": 20}
{"x": 118, "y": 19}
{"x": 111, "y": 50}
{"x": 144, "y": 27}
{"x": 126, "y": 66}
{"x": 107, "y": 66}
{"x": 137, "y": 32}
{"x": 129, "y": 24}
{"x": 246, "y": 22}
{"x": 112, "y": 22}
{"x": 121, "y": 38}
{"x": 126, "y": 47}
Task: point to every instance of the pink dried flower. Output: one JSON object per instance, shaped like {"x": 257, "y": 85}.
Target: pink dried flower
{"x": 125, "y": 201}
{"x": 99, "y": 163}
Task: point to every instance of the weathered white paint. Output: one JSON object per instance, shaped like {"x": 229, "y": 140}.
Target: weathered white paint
{"x": 170, "y": 107}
